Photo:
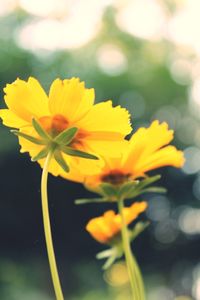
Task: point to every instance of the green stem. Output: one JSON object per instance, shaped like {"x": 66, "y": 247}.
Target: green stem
{"x": 139, "y": 277}
{"x": 135, "y": 277}
{"x": 47, "y": 230}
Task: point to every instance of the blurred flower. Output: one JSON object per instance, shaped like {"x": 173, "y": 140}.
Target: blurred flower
{"x": 117, "y": 275}
{"x": 145, "y": 151}
{"x": 69, "y": 105}
{"x": 105, "y": 228}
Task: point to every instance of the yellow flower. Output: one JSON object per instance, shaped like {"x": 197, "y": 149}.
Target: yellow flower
{"x": 69, "y": 104}
{"x": 147, "y": 149}
{"x": 105, "y": 228}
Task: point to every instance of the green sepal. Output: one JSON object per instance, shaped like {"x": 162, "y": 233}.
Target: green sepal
{"x": 148, "y": 180}
{"x": 109, "y": 190}
{"x": 137, "y": 229}
{"x": 127, "y": 189}
{"x": 141, "y": 187}
{"x": 29, "y": 137}
{"x": 65, "y": 137}
{"x": 42, "y": 154}
{"x": 92, "y": 200}
{"x": 41, "y": 132}
{"x": 61, "y": 161}
{"x": 155, "y": 189}
{"x": 135, "y": 188}
{"x": 112, "y": 254}
{"x": 73, "y": 152}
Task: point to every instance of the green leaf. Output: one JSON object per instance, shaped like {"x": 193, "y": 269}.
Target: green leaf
{"x": 40, "y": 130}
{"x": 74, "y": 152}
{"x": 42, "y": 154}
{"x": 65, "y": 137}
{"x": 93, "y": 200}
{"x": 61, "y": 161}
{"x": 28, "y": 137}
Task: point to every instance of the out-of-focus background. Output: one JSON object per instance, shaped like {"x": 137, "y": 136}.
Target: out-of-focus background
{"x": 145, "y": 55}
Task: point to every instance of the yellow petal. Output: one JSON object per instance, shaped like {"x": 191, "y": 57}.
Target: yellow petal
{"x": 75, "y": 164}
{"x": 167, "y": 156}
{"x": 134, "y": 210}
{"x": 107, "y": 148}
{"x": 70, "y": 98}
{"x": 85, "y": 169}
{"x": 145, "y": 142}
{"x": 26, "y": 99}
{"x": 80, "y": 168}
{"x": 96, "y": 232}
{"x": 110, "y": 221}
{"x": 98, "y": 228}
{"x": 105, "y": 118}
{"x": 157, "y": 136}
{"x": 11, "y": 119}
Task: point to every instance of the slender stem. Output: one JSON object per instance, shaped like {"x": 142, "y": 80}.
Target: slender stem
{"x": 135, "y": 277}
{"x": 47, "y": 230}
{"x": 139, "y": 277}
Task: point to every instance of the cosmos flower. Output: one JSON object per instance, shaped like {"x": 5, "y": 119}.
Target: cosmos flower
{"x": 99, "y": 127}
{"x": 146, "y": 150}
{"x": 106, "y": 227}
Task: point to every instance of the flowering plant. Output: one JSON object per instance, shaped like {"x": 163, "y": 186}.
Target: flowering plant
{"x": 70, "y": 136}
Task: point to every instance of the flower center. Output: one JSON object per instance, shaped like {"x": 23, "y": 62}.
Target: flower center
{"x": 78, "y": 140}
{"x": 115, "y": 177}
{"x": 57, "y": 123}
{"x": 54, "y": 125}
